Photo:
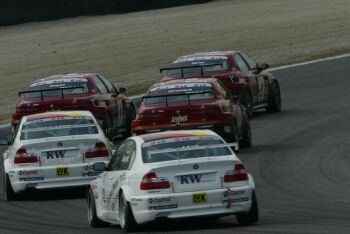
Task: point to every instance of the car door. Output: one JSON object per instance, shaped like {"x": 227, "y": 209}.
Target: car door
{"x": 262, "y": 81}
{"x": 250, "y": 77}
{"x": 118, "y": 99}
{"x": 114, "y": 179}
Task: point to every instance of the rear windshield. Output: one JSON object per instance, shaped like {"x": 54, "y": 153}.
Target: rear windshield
{"x": 180, "y": 92}
{"x": 69, "y": 86}
{"x": 220, "y": 61}
{"x": 57, "y": 127}
{"x": 183, "y": 148}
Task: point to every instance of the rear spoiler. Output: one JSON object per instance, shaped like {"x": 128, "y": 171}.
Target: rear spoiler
{"x": 43, "y": 90}
{"x": 171, "y": 150}
{"x": 193, "y": 66}
{"x": 176, "y": 94}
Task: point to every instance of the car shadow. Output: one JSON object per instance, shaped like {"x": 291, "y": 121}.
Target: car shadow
{"x": 54, "y": 194}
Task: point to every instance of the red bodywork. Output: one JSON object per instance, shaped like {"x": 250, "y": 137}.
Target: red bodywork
{"x": 241, "y": 75}
{"x": 219, "y": 112}
{"x": 97, "y": 95}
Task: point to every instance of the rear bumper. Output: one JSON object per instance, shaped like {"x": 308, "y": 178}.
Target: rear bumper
{"x": 221, "y": 127}
{"x": 24, "y": 178}
{"x": 180, "y": 205}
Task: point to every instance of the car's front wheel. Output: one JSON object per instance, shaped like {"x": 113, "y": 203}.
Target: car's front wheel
{"x": 9, "y": 194}
{"x": 94, "y": 221}
{"x": 275, "y": 103}
{"x": 130, "y": 117}
{"x": 126, "y": 217}
{"x": 252, "y": 216}
{"x": 247, "y": 135}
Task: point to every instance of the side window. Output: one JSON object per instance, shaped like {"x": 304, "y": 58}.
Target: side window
{"x": 223, "y": 90}
{"x": 109, "y": 85}
{"x": 100, "y": 85}
{"x": 250, "y": 62}
{"x": 240, "y": 63}
{"x": 123, "y": 157}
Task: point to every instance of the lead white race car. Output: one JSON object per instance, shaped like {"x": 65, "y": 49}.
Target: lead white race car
{"x": 54, "y": 150}
{"x": 174, "y": 174}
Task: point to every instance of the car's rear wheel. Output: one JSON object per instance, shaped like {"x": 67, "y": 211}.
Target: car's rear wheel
{"x": 9, "y": 194}
{"x": 247, "y": 102}
{"x": 252, "y": 216}
{"x": 92, "y": 216}
{"x": 131, "y": 116}
{"x": 275, "y": 103}
{"x": 126, "y": 217}
{"x": 247, "y": 135}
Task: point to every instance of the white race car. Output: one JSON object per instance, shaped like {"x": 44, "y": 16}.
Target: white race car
{"x": 54, "y": 150}
{"x": 174, "y": 174}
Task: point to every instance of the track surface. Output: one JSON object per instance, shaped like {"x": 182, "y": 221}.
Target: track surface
{"x": 300, "y": 161}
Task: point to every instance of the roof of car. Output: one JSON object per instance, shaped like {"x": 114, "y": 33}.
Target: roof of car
{"x": 57, "y": 114}
{"x": 211, "y": 53}
{"x": 65, "y": 76}
{"x": 183, "y": 81}
{"x": 177, "y": 133}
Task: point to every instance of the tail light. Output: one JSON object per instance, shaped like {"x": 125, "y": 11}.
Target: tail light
{"x": 22, "y": 157}
{"x": 151, "y": 181}
{"x": 100, "y": 150}
{"x": 238, "y": 174}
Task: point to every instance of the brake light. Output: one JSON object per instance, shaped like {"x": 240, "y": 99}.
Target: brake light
{"x": 100, "y": 150}
{"x": 151, "y": 181}
{"x": 22, "y": 157}
{"x": 238, "y": 174}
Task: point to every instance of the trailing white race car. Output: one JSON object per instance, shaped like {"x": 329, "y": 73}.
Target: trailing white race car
{"x": 174, "y": 174}
{"x": 54, "y": 150}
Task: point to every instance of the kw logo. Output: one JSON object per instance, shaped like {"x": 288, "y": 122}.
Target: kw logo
{"x": 62, "y": 171}
{"x": 186, "y": 179}
{"x": 55, "y": 154}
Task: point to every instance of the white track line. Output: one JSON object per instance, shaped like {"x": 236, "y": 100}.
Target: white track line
{"x": 271, "y": 69}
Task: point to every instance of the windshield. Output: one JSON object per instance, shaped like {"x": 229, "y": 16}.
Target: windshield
{"x": 220, "y": 60}
{"x": 80, "y": 84}
{"x": 58, "y": 127}
{"x": 183, "y": 148}
{"x": 180, "y": 92}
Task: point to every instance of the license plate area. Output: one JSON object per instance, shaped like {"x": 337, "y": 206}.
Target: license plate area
{"x": 199, "y": 198}
{"x": 56, "y": 157}
{"x": 62, "y": 171}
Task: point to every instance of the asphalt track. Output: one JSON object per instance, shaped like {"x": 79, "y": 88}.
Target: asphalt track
{"x": 300, "y": 160}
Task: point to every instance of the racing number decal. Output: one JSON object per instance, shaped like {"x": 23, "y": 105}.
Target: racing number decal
{"x": 262, "y": 88}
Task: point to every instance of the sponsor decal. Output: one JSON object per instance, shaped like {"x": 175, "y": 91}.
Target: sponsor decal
{"x": 163, "y": 207}
{"x": 179, "y": 119}
{"x": 58, "y": 82}
{"x": 136, "y": 199}
{"x": 55, "y": 154}
{"x": 190, "y": 59}
{"x": 27, "y": 172}
{"x": 32, "y": 178}
{"x": 160, "y": 200}
{"x": 186, "y": 179}
{"x": 229, "y": 200}
{"x": 62, "y": 171}
{"x": 229, "y": 193}
{"x": 199, "y": 198}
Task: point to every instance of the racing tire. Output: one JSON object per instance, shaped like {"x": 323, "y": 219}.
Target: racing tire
{"x": 126, "y": 217}
{"x": 131, "y": 116}
{"x": 246, "y": 141}
{"x": 94, "y": 221}
{"x": 274, "y": 103}
{"x": 252, "y": 216}
{"x": 9, "y": 194}
{"x": 247, "y": 102}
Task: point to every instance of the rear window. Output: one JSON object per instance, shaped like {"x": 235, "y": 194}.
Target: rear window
{"x": 180, "y": 92}
{"x": 58, "y": 127}
{"x": 183, "y": 148}
{"x": 220, "y": 61}
{"x": 69, "y": 86}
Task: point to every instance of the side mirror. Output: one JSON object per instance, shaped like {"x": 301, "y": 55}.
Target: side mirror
{"x": 264, "y": 66}
{"x": 122, "y": 90}
{"x": 99, "y": 166}
{"x": 4, "y": 141}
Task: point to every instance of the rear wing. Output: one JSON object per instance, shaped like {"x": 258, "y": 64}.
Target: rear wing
{"x": 176, "y": 94}
{"x": 44, "y": 90}
{"x": 193, "y": 66}
{"x": 172, "y": 150}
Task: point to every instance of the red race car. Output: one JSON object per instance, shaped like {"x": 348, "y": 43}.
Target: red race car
{"x": 193, "y": 104}
{"x": 254, "y": 86}
{"x": 89, "y": 91}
